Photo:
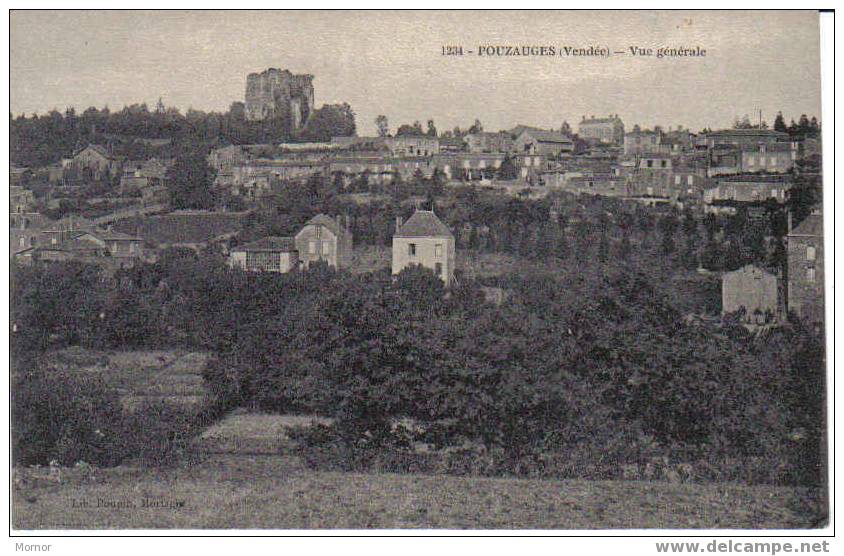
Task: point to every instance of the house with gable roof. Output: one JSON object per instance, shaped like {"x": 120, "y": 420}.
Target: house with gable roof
{"x": 424, "y": 240}
{"x": 324, "y": 238}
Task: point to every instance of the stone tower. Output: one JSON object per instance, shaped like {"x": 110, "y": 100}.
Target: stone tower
{"x": 277, "y": 93}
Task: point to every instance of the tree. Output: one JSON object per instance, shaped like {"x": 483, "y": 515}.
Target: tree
{"x": 332, "y": 120}
{"x": 189, "y": 180}
{"x": 383, "y": 125}
{"x": 477, "y": 127}
{"x": 432, "y": 130}
{"x": 410, "y": 130}
{"x": 508, "y": 169}
{"x": 779, "y": 123}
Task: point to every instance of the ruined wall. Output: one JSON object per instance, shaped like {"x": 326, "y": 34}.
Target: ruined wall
{"x": 277, "y": 93}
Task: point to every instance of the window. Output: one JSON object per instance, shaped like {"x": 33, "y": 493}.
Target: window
{"x": 411, "y": 249}
{"x": 810, "y": 253}
{"x": 810, "y": 275}
{"x": 263, "y": 260}
{"x": 774, "y": 193}
{"x": 773, "y": 161}
{"x": 312, "y": 247}
{"x": 690, "y": 179}
{"x": 751, "y": 161}
{"x": 664, "y": 163}
{"x": 438, "y": 250}
{"x": 438, "y": 269}
{"x": 326, "y": 248}
{"x": 677, "y": 179}
{"x": 650, "y": 163}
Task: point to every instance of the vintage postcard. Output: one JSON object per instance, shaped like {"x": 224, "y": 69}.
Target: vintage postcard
{"x": 417, "y": 270}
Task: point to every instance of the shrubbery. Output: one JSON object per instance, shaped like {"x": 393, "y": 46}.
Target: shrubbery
{"x": 589, "y": 369}
{"x": 64, "y": 417}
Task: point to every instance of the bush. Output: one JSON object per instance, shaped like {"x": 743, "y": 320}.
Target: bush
{"x": 59, "y": 416}
{"x": 68, "y": 418}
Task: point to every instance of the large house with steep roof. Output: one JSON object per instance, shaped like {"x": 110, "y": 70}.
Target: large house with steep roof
{"x": 324, "y": 238}
{"x": 424, "y": 240}
{"x": 548, "y": 143}
{"x": 104, "y": 247}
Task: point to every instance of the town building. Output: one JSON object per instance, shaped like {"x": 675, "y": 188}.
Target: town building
{"x": 21, "y": 200}
{"x": 270, "y": 254}
{"x": 728, "y": 192}
{"x": 742, "y": 137}
{"x": 138, "y": 175}
{"x": 489, "y": 142}
{"x": 452, "y": 144}
{"x": 642, "y": 141}
{"x": 752, "y": 292}
{"x": 93, "y": 162}
{"x": 424, "y": 240}
{"x": 769, "y": 157}
{"x": 19, "y": 175}
{"x": 327, "y": 239}
{"x": 806, "y": 269}
{"x": 548, "y": 143}
{"x": 413, "y": 145}
{"x": 277, "y": 93}
{"x": 106, "y": 248}
{"x": 609, "y": 130}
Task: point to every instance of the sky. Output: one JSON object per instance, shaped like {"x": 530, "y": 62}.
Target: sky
{"x": 391, "y": 63}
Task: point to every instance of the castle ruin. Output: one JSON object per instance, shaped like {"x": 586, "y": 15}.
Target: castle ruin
{"x": 277, "y": 93}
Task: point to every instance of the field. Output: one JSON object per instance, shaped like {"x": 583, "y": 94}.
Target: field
{"x": 252, "y": 433}
{"x": 248, "y": 476}
{"x": 278, "y": 493}
{"x": 156, "y": 375}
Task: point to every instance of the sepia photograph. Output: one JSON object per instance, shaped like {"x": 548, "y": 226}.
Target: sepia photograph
{"x": 388, "y": 270}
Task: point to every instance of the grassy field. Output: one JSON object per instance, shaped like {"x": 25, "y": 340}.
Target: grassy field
{"x": 278, "y": 493}
{"x": 252, "y": 433}
{"x": 140, "y": 376}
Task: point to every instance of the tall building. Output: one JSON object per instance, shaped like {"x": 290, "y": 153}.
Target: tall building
{"x": 424, "y": 240}
{"x": 277, "y": 93}
{"x": 806, "y": 269}
{"x": 609, "y": 130}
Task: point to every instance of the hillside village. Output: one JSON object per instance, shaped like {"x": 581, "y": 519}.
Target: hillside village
{"x": 98, "y": 206}
{"x": 568, "y": 302}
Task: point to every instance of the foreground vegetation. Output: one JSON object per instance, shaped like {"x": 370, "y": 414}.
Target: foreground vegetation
{"x": 278, "y": 493}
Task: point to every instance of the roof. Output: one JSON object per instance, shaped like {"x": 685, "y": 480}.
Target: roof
{"x": 423, "y": 223}
{"x": 327, "y": 221}
{"x": 519, "y": 129}
{"x": 752, "y": 269}
{"x": 748, "y": 132}
{"x": 812, "y": 225}
{"x": 548, "y": 136}
{"x": 99, "y": 148}
{"x": 769, "y": 147}
{"x": 110, "y": 235}
{"x": 271, "y": 243}
{"x": 451, "y": 141}
{"x": 612, "y": 120}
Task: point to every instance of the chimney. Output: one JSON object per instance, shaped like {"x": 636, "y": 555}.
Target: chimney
{"x": 398, "y": 222}
{"x": 788, "y": 220}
